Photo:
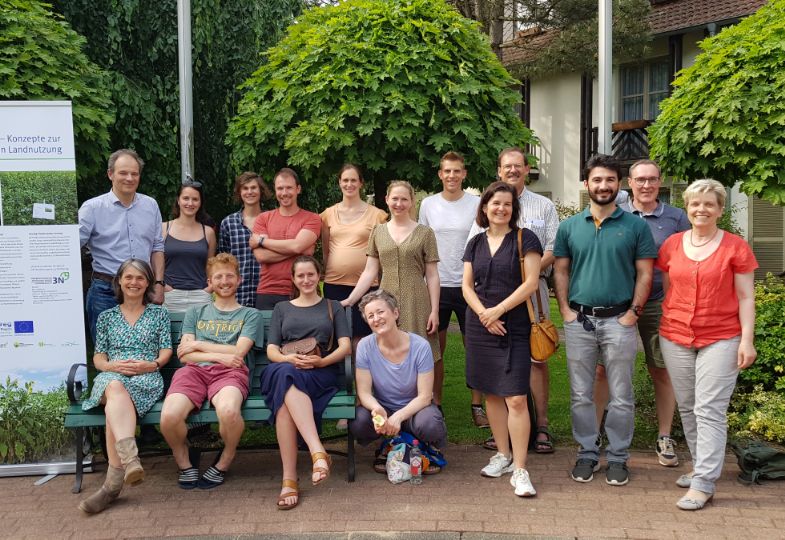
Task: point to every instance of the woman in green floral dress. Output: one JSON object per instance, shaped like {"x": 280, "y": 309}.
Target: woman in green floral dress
{"x": 133, "y": 341}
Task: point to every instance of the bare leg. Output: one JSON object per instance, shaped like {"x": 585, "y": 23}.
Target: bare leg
{"x": 498, "y": 418}
{"x": 120, "y": 412}
{"x": 539, "y": 386}
{"x": 286, "y": 433}
{"x": 173, "y": 414}
{"x": 438, "y": 381}
{"x": 228, "y": 402}
{"x": 301, "y": 410}
{"x": 664, "y": 399}
{"x": 111, "y": 451}
{"x": 519, "y": 427}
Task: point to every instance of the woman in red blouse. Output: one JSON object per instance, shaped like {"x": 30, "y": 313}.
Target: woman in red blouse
{"x": 706, "y": 331}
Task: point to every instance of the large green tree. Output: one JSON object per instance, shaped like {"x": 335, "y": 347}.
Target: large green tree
{"x": 726, "y": 117}
{"x": 388, "y": 84}
{"x": 42, "y": 58}
{"x": 136, "y": 41}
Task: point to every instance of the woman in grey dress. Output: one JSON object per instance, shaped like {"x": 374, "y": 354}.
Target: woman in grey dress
{"x": 298, "y": 387}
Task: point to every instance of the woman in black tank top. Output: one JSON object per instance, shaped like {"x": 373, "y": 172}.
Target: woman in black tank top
{"x": 188, "y": 243}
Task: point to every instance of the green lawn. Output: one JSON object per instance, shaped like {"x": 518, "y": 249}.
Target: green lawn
{"x": 456, "y": 401}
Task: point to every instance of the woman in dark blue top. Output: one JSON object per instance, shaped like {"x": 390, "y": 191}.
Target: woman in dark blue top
{"x": 188, "y": 243}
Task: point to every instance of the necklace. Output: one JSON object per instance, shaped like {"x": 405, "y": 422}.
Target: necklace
{"x": 704, "y": 243}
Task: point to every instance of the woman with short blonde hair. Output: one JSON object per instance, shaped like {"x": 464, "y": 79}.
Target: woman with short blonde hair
{"x": 706, "y": 331}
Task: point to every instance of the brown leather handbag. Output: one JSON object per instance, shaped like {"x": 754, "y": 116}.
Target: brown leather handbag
{"x": 544, "y": 338}
{"x": 309, "y": 346}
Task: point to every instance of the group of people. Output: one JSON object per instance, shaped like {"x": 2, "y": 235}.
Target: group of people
{"x": 479, "y": 258}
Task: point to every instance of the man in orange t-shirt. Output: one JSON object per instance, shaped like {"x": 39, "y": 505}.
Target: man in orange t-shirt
{"x": 279, "y": 237}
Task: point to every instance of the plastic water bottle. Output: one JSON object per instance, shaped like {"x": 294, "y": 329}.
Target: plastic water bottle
{"x": 415, "y": 462}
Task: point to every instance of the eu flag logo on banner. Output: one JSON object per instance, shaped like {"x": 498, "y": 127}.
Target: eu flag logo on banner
{"x": 23, "y": 327}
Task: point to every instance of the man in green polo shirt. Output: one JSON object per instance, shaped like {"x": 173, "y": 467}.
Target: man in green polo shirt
{"x": 603, "y": 273}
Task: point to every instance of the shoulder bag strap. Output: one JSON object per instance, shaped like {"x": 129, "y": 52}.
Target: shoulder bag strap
{"x": 332, "y": 325}
{"x": 523, "y": 276}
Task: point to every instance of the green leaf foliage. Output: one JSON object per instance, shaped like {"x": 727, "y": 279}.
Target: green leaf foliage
{"x": 31, "y": 423}
{"x": 22, "y": 189}
{"x": 388, "y": 84}
{"x": 42, "y": 58}
{"x": 769, "y": 368}
{"x": 136, "y": 41}
{"x": 726, "y": 117}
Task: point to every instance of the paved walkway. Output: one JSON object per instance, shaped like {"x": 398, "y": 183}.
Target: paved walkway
{"x": 456, "y": 501}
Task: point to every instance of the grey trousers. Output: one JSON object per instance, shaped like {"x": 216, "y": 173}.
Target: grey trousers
{"x": 617, "y": 345}
{"x": 703, "y": 382}
{"x": 426, "y": 425}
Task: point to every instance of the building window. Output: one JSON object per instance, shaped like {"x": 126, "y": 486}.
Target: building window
{"x": 643, "y": 87}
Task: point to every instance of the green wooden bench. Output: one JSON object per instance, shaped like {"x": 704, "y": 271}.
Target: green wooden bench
{"x": 254, "y": 409}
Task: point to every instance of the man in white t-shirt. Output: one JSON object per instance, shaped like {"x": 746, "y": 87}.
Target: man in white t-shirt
{"x": 451, "y": 214}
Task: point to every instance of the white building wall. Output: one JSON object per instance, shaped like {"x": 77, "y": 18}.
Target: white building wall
{"x": 555, "y": 118}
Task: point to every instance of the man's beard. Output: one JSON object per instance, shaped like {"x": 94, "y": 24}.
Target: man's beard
{"x": 596, "y": 200}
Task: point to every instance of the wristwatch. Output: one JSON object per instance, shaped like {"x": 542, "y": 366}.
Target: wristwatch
{"x": 636, "y": 309}
{"x": 261, "y": 240}
{"x": 159, "y": 282}
{"x": 157, "y": 365}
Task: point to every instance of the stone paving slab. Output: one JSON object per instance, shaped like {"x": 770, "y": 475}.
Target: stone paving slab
{"x": 458, "y": 504}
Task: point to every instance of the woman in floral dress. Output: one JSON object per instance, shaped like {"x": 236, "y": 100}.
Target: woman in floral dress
{"x": 133, "y": 341}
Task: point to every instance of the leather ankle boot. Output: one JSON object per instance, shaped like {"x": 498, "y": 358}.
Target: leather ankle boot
{"x": 129, "y": 457}
{"x": 99, "y": 500}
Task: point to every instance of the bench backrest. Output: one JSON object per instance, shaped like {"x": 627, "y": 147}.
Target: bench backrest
{"x": 256, "y": 359}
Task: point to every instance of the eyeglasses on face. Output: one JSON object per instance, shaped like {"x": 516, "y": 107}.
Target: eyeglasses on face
{"x": 587, "y": 324}
{"x": 641, "y": 181}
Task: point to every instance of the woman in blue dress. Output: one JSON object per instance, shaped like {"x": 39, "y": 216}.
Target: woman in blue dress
{"x": 298, "y": 387}
{"x": 133, "y": 341}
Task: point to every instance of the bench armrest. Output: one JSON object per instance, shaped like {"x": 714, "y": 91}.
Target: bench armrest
{"x": 73, "y": 387}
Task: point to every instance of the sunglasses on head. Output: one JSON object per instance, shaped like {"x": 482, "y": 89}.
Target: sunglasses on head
{"x": 190, "y": 182}
{"x": 587, "y": 324}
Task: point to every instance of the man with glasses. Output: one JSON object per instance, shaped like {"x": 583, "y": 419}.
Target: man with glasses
{"x": 663, "y": 220}
{"x": 538, "y": 214}
{"x": 603, "y": 273}
{"x": 117, "y": 226}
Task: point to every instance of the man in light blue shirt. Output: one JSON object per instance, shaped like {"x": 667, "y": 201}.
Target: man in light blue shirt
{"x": 117, "y": 226}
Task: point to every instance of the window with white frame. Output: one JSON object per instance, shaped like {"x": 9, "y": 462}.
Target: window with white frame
{"x": 643, "y": 87}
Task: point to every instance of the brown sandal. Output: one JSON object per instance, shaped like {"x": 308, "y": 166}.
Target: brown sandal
{"x": 291, "y": 484}
{"x": 316, "y": 456}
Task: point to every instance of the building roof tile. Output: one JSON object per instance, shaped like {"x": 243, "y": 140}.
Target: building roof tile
{"x": 673, "y": 15}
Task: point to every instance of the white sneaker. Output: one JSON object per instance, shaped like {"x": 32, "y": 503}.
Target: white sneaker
{"x": 522, "y": 484}
{"x": 497, "y": 466}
